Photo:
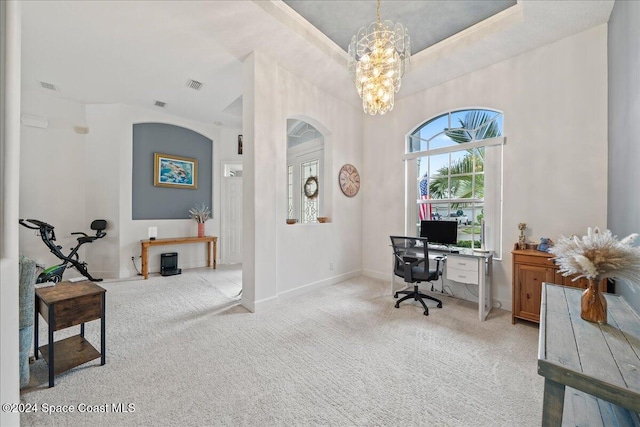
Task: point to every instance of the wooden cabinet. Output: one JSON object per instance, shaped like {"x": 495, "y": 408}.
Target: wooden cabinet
{"x": 530, "y": 269}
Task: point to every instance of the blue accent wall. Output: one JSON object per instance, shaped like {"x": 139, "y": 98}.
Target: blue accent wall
{"x": 150, "y": 202}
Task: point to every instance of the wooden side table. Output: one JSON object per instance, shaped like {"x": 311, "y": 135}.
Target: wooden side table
{"x": 62, "y": 306}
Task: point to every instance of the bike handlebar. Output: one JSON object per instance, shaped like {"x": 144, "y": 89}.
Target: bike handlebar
{"x": 39, "y": 224}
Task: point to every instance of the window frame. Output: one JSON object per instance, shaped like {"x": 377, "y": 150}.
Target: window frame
{"x": 305, "y": 152}
{"x": 412, "y": 197}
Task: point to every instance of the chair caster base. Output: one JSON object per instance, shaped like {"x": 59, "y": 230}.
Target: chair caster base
{"x": 426, "y": 313}
{"x": 439, "y": 305}
{"x": 397, "y": 305}
{"x": 395, "y": 295}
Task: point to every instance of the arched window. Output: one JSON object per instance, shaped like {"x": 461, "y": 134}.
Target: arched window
{"x": 454, "y": 173}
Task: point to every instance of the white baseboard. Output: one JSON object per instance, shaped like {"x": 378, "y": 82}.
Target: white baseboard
{"x": 268, "y": 303}
{"x": 196, "y": 264}
{"x": 129, "y": 271}
{"x": 249, "y": 305}
{"x": 377, "y": 275}
{"x": 261, "y": 305}
{"x": 107, "y": 274}
{"x": 502, "y": 304}
{"x": 305, "y": 289}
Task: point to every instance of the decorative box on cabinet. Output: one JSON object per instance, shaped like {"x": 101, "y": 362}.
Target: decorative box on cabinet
{"x": 530, "y": 269}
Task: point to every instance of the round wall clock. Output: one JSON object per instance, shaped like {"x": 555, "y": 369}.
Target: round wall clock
{"x": 311, "y": 187}
{"x": 349, "y": 180}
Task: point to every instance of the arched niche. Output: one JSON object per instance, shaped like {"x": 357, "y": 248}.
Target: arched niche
{"x": 308, "y": 171}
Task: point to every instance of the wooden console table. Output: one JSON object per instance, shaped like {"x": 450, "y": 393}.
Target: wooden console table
{"x": 600, "y": 360}
{"x": 212, "y": 248}
{"x": 62, "y": 306}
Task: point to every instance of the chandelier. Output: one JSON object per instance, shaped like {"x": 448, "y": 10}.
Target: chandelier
{"x": 378, "y": 57}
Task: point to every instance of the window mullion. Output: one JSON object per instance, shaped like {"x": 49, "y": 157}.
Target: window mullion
{"x": 447, "y": 201}
{"x": 466, "y": 146}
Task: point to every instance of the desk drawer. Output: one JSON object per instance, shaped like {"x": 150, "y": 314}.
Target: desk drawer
{"x": 545, "y": 261}
{"x": 78, "y": 310}
{"x": 462, "y": 276}
{"x": 462, "y": 263}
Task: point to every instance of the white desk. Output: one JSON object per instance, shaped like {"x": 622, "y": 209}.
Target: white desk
{"x": 468, "y": 267}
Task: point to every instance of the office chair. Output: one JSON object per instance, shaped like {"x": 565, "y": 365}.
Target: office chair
{"x": 411, "y": 262}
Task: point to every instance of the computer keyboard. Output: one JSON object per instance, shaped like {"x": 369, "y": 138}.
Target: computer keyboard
{"x": 444, "y": 248}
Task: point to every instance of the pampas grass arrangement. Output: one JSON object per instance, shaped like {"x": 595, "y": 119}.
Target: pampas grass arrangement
{"x": 200, "y": 213}
{"x": 599, "y": 255}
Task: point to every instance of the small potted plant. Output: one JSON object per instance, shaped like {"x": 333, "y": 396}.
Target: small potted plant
{"x": 201, "y": 214}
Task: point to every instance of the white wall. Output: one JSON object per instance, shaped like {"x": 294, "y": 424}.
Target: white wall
{"x": 10, "y": 42}
{"x": 261, "y": 101}
{"x": 624, "y": 128}
{"x": 282, "y": 260}
{"x": 249, "y": 211}
{"x": 554, "y": 100}
{"x": 52, "y": 175}
{"x": 305, "y": 251}
{"x": 229, "y": 145}
{"x": 104, "y": 180}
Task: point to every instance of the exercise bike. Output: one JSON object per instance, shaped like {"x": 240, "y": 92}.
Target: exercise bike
{"x": 54, "y": 273}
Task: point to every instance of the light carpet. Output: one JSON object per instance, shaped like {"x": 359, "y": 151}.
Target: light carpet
{"x": 184, "y": 353}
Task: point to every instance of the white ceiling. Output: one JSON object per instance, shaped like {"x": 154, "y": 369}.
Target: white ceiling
{"x": 137, "y": 52}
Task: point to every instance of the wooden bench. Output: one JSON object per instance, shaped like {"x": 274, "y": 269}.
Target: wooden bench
{"x": 582, "y": 409}
{"x": 594, "y": 367}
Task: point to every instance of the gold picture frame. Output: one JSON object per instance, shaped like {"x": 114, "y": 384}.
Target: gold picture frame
{"x": 175, "y": 171}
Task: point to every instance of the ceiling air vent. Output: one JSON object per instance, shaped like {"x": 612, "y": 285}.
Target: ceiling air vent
{"x": 160, "y": 104}
{"x": 48, "y": 86}
{"x": 194, "y": 84}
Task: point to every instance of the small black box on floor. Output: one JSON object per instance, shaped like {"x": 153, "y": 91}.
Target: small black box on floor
{"x": 169, "y": 264}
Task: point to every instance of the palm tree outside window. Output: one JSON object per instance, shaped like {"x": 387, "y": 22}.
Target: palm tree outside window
{"x": 454, "y": 170}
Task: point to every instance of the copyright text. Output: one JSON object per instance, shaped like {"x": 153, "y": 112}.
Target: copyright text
{"x": 66, "y": 409}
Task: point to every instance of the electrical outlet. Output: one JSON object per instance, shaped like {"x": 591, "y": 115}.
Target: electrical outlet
{"x": 331, "y": 266}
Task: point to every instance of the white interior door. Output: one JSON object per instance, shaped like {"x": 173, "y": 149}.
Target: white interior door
{"x": 231, "y": 221}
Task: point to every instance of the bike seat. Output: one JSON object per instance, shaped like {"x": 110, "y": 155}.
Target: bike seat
{"x": 87, "y": 239}
{"x": 99, "y": 225}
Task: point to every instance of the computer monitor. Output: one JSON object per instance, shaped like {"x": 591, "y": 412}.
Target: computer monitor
{"x": 442, "y": 232}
